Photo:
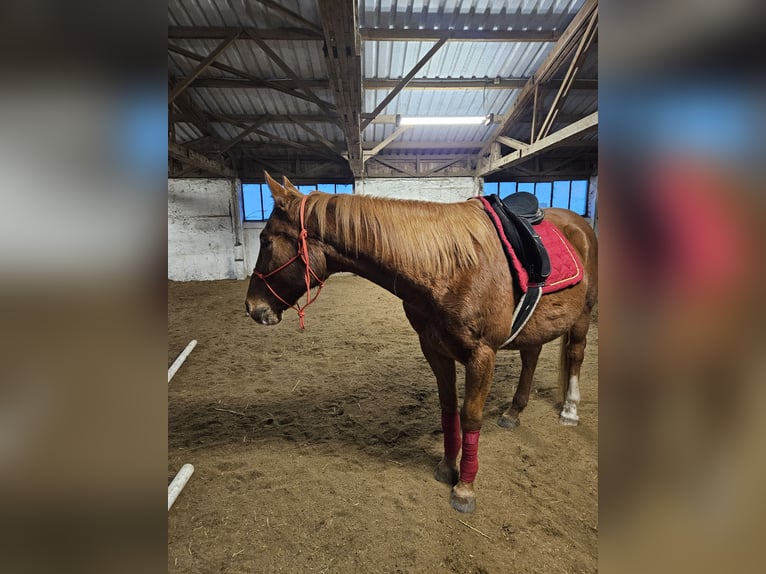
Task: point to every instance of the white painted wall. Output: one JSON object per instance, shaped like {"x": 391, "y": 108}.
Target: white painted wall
{"x": 442, "y": 189}
{"x": 204, "y": 230}
{"x": 252, "y": 243}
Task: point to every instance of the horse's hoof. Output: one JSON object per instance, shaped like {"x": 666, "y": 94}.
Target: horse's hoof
{"x": 463, "y": 501}
{"x": 569, "y": 422}
{"x": 444, "y": 473}
{"x": 508, "y": 421}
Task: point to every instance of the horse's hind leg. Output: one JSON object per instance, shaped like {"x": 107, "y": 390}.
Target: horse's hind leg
{"x": 571, "y": 355}
{"x": 529, "y": 356}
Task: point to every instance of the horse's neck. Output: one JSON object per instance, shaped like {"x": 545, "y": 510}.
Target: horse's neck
{"x": 362, "y": 257}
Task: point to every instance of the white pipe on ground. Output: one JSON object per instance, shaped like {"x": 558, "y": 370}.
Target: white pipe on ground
{"x": 181, "y": 358}
{"x": 178, "y": 483}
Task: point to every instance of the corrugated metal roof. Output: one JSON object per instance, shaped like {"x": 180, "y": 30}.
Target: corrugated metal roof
{"x": 238, "y": 13}
{"x": 389, "y": 60}
{"x": 303, "y": 57}
{"x": 441, "y": 102}
{"x": 468, "y": 14}
{"x": 393, "y": 60}
{"x": 254, "y": 101}
{"x": 438, "y": 103}
{"x": 186, "y": 132}
{"x": 291, "y": 132}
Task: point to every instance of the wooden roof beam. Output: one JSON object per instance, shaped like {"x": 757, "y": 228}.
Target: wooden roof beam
{"x": 201, "y": 67}
{"x": 274, "y": 85}
{"x": 197, "y": 160}
{"x": 343, "y": 56}
{"x": 404, "y": 81}
{"x": 410, "y": 35}
{"x": 221, "y": 32}
{"x": 543, "y": 144}
{"x": 565, "y": 45}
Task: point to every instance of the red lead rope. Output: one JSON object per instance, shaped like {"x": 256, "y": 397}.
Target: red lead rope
{"x": 303, "y": 254}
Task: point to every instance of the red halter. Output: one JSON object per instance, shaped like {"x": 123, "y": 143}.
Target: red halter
{"x": 303, "y": 254}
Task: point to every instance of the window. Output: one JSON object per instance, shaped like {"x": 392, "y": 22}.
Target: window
{"x": 569, "y": 194}
{"x": 490, "y": 187}
{"x": 258, "y": 203}
{"x": 543, "y": 193}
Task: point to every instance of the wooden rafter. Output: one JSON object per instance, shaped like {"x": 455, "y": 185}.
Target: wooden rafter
{"x": 220, "y": 32}
{"x": 318, "y": 119}
{"x": 386, "y": 84}
{"x": 257, "y": 82}
{"x": 510, "y": 142}
{"x": 326, "y": 106}
{"x": 343, "y": 56}
{"x": 399, "y": 168}
{"x": 563, "y": 48}
{"x": 275, "y": 138}
{"x": 191, "y": 112}
{"x": 376, "y": 150}
{"x": 246, "y": 132}
{"x": 574, "y": 67}
{"x": 445, "y": 165}
{"x": 201, "y": 67}
{"x": 459, "y": 35}
{"x": 404, "y": 81}
{"x": 533, "y": 149}
{"x": 200, "y": 161}
{"x": 323, "y": 140}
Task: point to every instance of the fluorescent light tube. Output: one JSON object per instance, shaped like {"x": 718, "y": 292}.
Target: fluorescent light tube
{"x": 443, "y": 120}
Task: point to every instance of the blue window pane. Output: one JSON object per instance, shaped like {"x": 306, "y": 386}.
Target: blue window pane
{"x": 344, "y": 188}
{"x": 490, "y": 187}
{"x": 561, "y": 194}
{"x": 528, "y": 187}
{"x": 543, "y": 193}
{"x": 326, "y": 187}
{"x": 268, "y": 202}
{"x": 306, "y": 188}
{"x": 251, "y": 197}
{"x": 579, "y": 196}
{"x": 506, "y": 188}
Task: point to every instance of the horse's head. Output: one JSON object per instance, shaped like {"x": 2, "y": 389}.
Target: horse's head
{"x": 282, "y": 273}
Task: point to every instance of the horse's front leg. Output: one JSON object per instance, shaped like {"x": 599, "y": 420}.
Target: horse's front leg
{"x": 444, "y": 369}
{"x": 478, "y": 378}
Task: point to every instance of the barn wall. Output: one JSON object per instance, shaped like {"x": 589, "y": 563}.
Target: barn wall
{"x": 442, "y": 189}
{"x": 252, "y": 243}
{"x": 205, "y": 235}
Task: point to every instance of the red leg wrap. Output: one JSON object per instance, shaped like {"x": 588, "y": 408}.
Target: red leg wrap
{"x": 469, "y": 463}
{"x": 451, "y": 428}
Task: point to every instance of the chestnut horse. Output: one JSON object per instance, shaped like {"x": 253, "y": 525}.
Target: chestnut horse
{"x": 446, "y": 263}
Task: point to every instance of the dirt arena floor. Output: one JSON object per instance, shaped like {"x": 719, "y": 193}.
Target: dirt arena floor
{"x": 314, "y": 450}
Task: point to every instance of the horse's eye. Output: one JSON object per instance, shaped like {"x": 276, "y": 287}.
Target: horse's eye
{"x": 265, "y": 242}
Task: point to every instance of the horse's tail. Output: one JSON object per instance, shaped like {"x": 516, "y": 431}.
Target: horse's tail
{"x": 564, "y": 364}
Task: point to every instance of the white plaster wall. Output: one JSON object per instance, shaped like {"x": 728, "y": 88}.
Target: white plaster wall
{"x": 252, "y": 243}
{"x": 204, "y": 231}
{"x": 442, "y": 189}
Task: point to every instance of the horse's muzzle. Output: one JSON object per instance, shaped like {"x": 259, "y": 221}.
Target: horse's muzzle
{"x": 263, "y": 314}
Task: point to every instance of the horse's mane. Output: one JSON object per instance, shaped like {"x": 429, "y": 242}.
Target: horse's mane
{"x": 421, "y": 237}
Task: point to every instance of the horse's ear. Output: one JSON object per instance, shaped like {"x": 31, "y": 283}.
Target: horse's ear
{"x": 289, "y": 184}
{"x": 278, "y": 192}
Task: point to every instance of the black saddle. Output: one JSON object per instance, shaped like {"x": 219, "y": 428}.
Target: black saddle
{"x": 525, "y": 205}
{"x": 518, "y": 213}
